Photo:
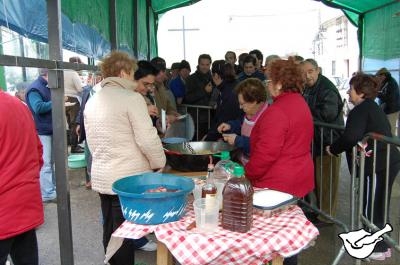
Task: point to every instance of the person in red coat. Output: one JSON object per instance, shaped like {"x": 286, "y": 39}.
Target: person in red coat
{"x": 21, "y": 208}
{"x": 280, "y": 142}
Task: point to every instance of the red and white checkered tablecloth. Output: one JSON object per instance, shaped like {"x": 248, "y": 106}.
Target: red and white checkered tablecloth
{"x": 284, "y": 234}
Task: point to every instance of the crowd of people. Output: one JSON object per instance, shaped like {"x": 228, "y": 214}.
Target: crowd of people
{"x": 265, "y": 111}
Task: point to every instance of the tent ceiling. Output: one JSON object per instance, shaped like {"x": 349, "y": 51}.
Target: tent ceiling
{"x": 358, "y": 6}
{"x": 162, "y": 6}
{"x": 89, "y": 32}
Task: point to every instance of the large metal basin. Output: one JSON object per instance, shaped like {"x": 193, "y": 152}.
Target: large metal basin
{"x": 193, "y": 156}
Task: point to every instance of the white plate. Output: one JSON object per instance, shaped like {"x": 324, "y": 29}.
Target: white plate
{"x": 163, "y": 121}
{"x": 271, "y": 199}
{"x": 181, "y": 117}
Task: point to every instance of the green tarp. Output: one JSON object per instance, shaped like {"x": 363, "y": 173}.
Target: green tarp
{"x": 95, "y": 14}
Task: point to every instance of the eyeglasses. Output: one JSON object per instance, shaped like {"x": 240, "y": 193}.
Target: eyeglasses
{"x": 242, "y": 104}
{"x": 148, "y": 85}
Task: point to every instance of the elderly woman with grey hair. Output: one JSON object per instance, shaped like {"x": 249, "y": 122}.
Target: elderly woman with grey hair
{"x": 21, "y": 89}
{"x": 123, "y": 142}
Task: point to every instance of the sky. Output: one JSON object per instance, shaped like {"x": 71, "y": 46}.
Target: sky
{"x": 281, "y": 27}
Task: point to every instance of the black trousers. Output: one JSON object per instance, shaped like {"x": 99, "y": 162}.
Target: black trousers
{"x": 290, "y": 261}
{"x": 22, "y": 248}
{"x": 379, "y": 203}
{"x": 112, "y": 219}
{"x": 71, "y": 112}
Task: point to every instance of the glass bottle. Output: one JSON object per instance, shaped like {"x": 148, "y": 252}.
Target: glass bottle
{"x": 209, "y": 189}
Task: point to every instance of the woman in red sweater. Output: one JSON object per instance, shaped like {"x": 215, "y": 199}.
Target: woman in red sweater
{"x": 280, "y": 142}
{"x": 21, "y": 207}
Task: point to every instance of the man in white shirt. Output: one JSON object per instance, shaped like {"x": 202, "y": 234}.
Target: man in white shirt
{"x": 73, "y": 89}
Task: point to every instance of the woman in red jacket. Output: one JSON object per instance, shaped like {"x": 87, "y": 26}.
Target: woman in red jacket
{"x": 21, "y": 208}
{"x": 280, "y": 142}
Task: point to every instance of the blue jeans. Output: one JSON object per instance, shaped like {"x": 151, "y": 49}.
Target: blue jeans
{"x": 47, "y": 179}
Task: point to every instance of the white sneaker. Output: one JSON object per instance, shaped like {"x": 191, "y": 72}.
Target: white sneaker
{"x": 150, "y": 246}
{"x": 381, "y": 255}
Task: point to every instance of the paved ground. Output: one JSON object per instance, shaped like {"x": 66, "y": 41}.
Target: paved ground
{"x": 87, "y": 230}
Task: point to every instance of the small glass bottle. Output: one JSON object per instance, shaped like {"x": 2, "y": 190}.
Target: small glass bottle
{"x": 209, "y": 189}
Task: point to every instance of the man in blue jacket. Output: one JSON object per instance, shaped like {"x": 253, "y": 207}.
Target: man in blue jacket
{"x": 38, "y": 99}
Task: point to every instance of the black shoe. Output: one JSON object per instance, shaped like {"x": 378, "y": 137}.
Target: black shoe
{"x": 51, "y": 201}
{"x": 77, "y": 149}
{"x": 320, "y": 223}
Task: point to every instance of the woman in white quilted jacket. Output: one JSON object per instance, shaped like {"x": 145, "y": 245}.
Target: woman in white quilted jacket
{"x": 122, "y": 139}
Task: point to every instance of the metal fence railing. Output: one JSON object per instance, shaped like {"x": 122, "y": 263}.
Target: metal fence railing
{"x": 365, "y": 213}
{"x": 202, "y": 117}
{"x": 356, "y": 211}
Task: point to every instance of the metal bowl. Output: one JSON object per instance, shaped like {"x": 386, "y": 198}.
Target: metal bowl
{"x": 193, "y": 156}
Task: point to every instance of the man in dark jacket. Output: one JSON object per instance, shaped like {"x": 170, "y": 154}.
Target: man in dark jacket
{"x": 38, "y": 98}
{"x": 388, "y": 96}
{"x": 326, "y": 105}
{"x": 199, "y": 89}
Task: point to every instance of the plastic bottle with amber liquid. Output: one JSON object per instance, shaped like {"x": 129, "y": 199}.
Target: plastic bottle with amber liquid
{"x": 237, "y": 204}
{"x": 209, "y": 189}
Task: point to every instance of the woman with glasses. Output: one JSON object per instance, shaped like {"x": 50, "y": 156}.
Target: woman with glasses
{"x": 156, "y": 100}
{"x": 252, "y": 99}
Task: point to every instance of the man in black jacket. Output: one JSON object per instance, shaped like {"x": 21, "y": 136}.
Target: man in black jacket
{"x": 326, "y": 105}
{"x": 199, "y": 91}
{"x": 388, "y": 96}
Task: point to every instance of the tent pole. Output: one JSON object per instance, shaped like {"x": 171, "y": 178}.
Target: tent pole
{"x": 113, "y": 25}
{"x": 59, "y": 150}
{"x": 360, "y": 36}
{"x": 135, "y": 29}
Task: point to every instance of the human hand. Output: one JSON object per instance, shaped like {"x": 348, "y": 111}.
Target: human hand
{"x": 223, "y": 127}
{"x": 171, "y": 118}
{"x": 160, "y": 170}
{"x": 229, "y": 138}
{"x": 153, "y": 111}
{"x": 328, "y": 150}
{"x": 78, "y": 129}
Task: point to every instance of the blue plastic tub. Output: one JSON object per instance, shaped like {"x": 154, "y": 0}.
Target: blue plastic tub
{"x": 141, "y": 207}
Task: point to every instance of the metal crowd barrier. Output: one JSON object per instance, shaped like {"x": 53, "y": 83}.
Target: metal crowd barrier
{"x": 362, "y": 220}
{"x": 194, "y": 111}
{"x": 357, "y": 219}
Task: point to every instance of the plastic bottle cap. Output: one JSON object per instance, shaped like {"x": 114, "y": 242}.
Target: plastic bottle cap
{"x": 225, "y": 155}
{"x": 238, "y": 171}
